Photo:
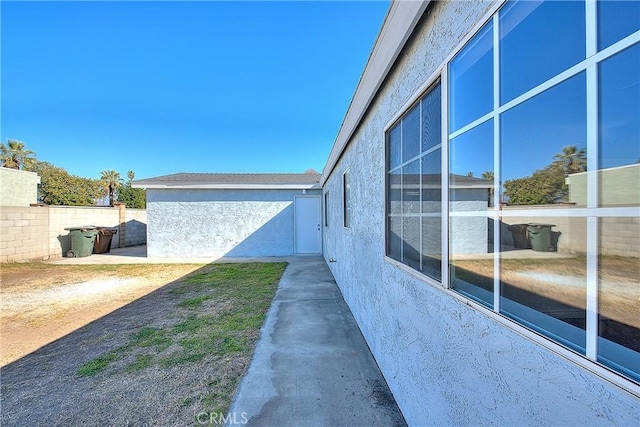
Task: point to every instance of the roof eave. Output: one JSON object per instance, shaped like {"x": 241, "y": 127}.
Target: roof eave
{"x": 172, "y": 186}
{"x": 398, "y": 25}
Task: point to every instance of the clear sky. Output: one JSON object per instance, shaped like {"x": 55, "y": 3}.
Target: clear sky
{"x": 166, "y": 87}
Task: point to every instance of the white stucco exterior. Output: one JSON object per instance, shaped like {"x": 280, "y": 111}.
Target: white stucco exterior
{"x": 447, "y": 361}
{"x": 218, "y": 222}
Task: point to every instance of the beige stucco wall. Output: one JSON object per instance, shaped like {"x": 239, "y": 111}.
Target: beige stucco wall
{"x": 618, "y": 186}
{"x": 18, "y": 187}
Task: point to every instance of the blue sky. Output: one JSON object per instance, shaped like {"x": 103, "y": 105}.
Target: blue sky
{"x": 166, "y": 87}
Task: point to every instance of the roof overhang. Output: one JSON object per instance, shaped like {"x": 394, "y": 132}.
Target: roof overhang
{"x": 315, "y": 186}
{"x": 398, "y": 25}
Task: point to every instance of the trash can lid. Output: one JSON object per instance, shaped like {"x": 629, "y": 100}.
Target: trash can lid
{"x": 539, "y": 224}
{"x": 82, "y": 228}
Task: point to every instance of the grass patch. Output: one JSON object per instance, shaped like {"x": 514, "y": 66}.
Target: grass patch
{"x": 217, "y": 339}
{"x": 98, "y": 364}
{"x": 195, "y": 302}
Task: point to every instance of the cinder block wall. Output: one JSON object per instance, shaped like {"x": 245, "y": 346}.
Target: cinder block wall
{"x": 136, "y": 227}
{"x": 24, "y": 233}
{"x": 38, "y": 232}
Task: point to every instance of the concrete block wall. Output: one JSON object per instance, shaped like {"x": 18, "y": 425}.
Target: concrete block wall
{"x": 23, "y": 234}
{"x": 136, "y": 227}
{"x": 61, "y": 217}
{"x": 38, "y": 232}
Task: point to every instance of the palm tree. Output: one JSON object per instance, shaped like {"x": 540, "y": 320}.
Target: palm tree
{"x": 15, "y": 156}
{"x": 572, "y": 159}
{"x": 111, "y": 181}
{"x": 131, "y": 175}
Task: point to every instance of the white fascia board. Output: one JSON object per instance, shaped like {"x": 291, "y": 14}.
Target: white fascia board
{"x": 229, "y": 186}
{"x": 401, "y": 19}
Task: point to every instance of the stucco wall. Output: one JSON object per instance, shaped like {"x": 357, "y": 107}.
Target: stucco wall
{"x": 215, "y": 223}
{"x": 446, "y": 362}
{"x": 18, "y": 187}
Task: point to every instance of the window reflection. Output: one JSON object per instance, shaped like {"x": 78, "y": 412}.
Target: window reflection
{"x": 545, "y": 287}
{"x": 543, "y": 142}
{"x": 619, "y": 119}
{"x": 619, "y": 293}
{"x": 411, "y": 134}
{"x": 411, "y": 241}
{"x": 411, "y": 188}
{"x": 617, "y": 20}
{"x": 471, "y": 169}
{"x": 471, "y": 80}
{"x": 537, "y": 41}
{"x": 470, "y": 258}
{"x": 394, "y": 142}
{"x": 431, "y": 119}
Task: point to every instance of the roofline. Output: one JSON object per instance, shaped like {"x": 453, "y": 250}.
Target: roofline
{"x": 313, "y": 186}
{"x": 398, "y": 25}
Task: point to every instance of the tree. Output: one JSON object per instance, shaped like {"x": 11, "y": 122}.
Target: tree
{"x": 15, "y": 156}
{"x": 572, "y": 159}
{"x": 135, "y": 198}
{"x": 543, "y": 187}
{"x": 111, "y": 181}
{"x": 57, "y": 187}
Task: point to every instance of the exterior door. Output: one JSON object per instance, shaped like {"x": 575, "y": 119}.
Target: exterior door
{"x": 308, "y": 230}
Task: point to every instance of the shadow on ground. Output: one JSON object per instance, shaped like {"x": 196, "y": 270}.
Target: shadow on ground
{"x": 43, "y": 388}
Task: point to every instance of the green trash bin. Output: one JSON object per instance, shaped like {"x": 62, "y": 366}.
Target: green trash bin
{"x": 82, "y": 241}
{"x": 540, "y": 236}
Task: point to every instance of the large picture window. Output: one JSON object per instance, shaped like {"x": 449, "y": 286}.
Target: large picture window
{"x": 414, "y": 186}
{"x": 542, "y": 164}
{"x": 542, "y": 181}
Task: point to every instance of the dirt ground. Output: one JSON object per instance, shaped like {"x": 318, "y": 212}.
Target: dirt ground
{"x": 40, "y": 303}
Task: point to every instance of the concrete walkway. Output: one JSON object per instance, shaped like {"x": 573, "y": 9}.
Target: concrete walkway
{"x": 312, "y": 366}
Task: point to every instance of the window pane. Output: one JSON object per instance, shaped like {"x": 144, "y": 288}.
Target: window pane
{"x": 411, "y": 242}
{"x": 619, "y": 293}
{"x": 471, "y": 80}
{"x": 394, "y": 238}
{"x": 471, "y": 162}
{"x": 537, "y": 41}
{"x": 432, "y": 182}
{"x": 471, "y": 263}
{"x": 411, "y": 187}
{"x": 394, "y": 193}
{"x": 347, "y": 199}
{"x": 617, "y": 20}
{"x": 411, "y": 134}
{"x": 543, "y": 142}
{"x": 432, "y": 209}
{"x": 394, "y": 142}
{"x": 432, "y": 246}
{"x": 431, "y": 119}
{"x": 544, "y": 286}
{"x": 619, "y": 118}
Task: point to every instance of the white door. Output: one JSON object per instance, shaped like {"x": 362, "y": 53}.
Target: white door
{"x": 308, "y": 232}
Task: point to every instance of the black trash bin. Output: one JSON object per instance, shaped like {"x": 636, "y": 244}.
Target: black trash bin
{"x": 82, "y": 240}
{"x": 540, "y": 237}
{"x": 102, "y": 244}
{"x": 520, "y": 236}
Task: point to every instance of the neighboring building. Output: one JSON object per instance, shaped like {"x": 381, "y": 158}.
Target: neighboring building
{"x": 236, "y": 215}
{"x": 18, "y": 187}
{"x": 481, "y": 335}
{"x": 464, "y": 330}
